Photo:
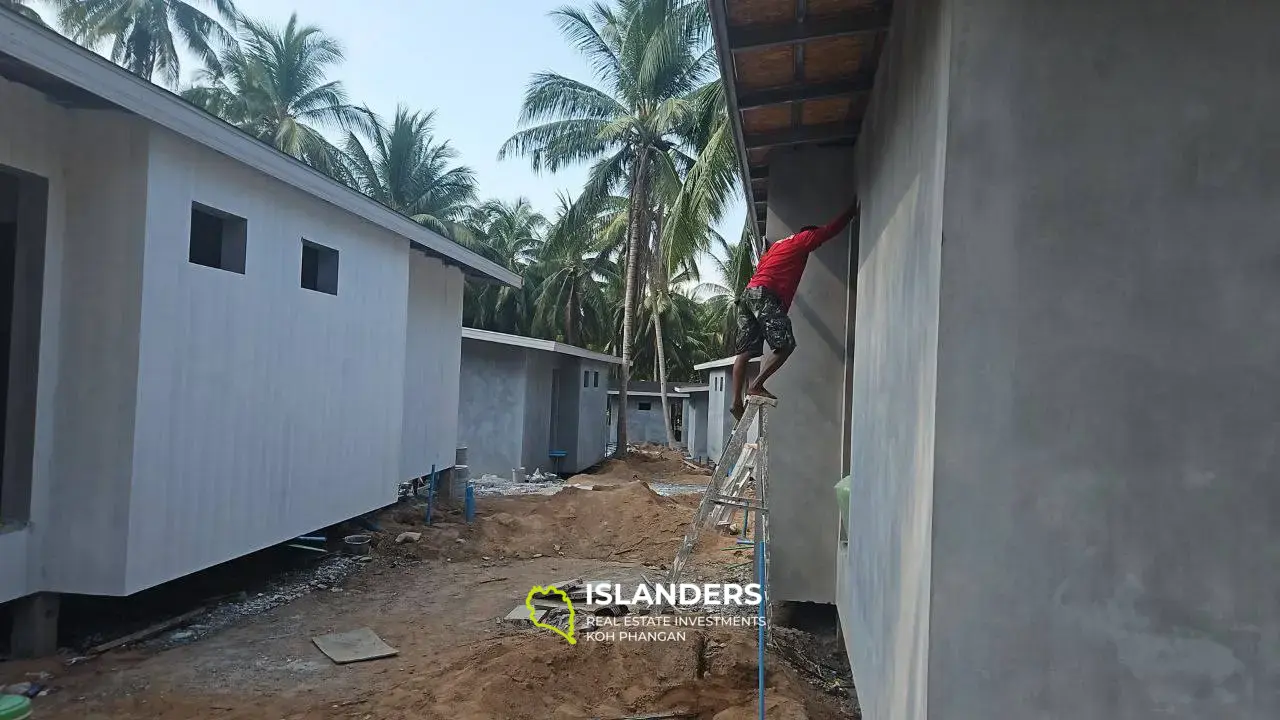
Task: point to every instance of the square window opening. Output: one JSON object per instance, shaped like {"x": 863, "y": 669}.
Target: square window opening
{"x": 644, "y": 406}
{"x": 319, "y": 268}
{"x": 218, "y": 239}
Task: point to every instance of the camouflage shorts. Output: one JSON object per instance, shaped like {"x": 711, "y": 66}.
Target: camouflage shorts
{"x": 761, "y": 318}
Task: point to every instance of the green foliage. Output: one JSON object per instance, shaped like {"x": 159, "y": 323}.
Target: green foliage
{"x": 272, "y": 84}
{"x": 143, "y": 34}
{"x": 403, "y": 167}
{"x": 20, "y": 7}
{"x": 651, "y": 126}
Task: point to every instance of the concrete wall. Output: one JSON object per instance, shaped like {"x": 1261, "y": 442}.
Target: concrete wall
{"x": 719, "y": 421}
{"x": 885, "y": 592}
{"x": 585, "y": 428}
{"x": 491, "y": 407}
{"x": 510, "y": 416}
{"x": 643, "y": 426}
{"x": 810, "y": 187}
{"x": 95, "y": 165}
{"x": 432, "y": 366}
{"x": 695, "y": 425}
{"x": 540, "y": 406}
{"x": 1105, "y": 529}
{"x": 264, "y": 409}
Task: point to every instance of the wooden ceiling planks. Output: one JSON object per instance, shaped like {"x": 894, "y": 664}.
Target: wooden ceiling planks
{"x": 760, "y": 12}
{"x": 824, "y": 112}
{"x": 802, "y": 71}
{"x": 833, "y": 8}
{"x": 766, "y": 119}
{"x": 835, "y": 58}
{"x": 765, "y": 68}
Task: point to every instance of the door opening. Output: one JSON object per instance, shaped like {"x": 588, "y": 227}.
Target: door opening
{"x": 23, "y": 218}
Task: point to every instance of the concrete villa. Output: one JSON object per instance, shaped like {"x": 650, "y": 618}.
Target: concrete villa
{"x": 531, "y": 403}
{"x": 644, "y": 411}
{"x": 1046, "y": 353}
{"x": 211, "y": 348}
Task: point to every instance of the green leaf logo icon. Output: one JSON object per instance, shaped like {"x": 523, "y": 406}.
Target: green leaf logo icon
{"x": 533, "y": 613}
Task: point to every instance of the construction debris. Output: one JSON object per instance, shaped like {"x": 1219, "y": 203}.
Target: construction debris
{"x": 353, "y": 646}
{"x": 408, "y": 537}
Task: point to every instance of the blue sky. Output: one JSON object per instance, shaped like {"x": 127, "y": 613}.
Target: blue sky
{"x": 469, "y": 60}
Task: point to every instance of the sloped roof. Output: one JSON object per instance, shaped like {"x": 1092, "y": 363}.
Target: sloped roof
{"x": 538, "y": 344}
{"x": 70, "y": 75}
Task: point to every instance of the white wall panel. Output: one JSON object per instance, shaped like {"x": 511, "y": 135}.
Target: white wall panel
{"x": 264, "y": 410}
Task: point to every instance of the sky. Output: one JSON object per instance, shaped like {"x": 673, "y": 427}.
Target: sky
{"x": 470, "y": 61}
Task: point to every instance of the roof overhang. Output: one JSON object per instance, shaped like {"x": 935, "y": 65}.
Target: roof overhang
{"x": 651, "y": 393}
{"x": 72, "y": 76}
{"x": 693, "y": 389}
{"x": 538, "y": 344}
{"x": 797, "y": 72}
{"x": 722, "y": 362}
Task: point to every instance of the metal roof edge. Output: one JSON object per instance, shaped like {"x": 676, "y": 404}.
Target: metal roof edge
{"x": 46, "y": 50}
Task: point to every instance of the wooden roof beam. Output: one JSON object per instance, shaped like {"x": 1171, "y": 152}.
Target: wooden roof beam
{"x": 801, "y": 92}
{"x": 751, "y": 37}
{"x": 801, "y": 135}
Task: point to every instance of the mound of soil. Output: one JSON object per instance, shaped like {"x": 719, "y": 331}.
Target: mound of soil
{"x": 647, "y": 462}
{"x": 625, "y": 522}
{"x": 710, "y": 673}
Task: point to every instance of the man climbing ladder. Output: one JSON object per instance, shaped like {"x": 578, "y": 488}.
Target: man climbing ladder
{"x": 762, "y": 310}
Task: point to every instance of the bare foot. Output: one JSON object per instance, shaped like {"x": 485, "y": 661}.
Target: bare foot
{"x": 736, "y": 411}
{"x": 761, "y": 392}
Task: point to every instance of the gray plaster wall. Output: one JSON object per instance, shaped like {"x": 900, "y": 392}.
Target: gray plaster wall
{"x": 695, "y": 424}
{"x": 539, "y": 406}
{"x": 643, "y": 426}
{"x": 719, "y": 422}
{"x": 491, "y": 407}
{"x": 885, "y": 589}
{"x": 809, "y": 187}
{"x": 1106, "y": 533}
{"x": 590, "y": 424}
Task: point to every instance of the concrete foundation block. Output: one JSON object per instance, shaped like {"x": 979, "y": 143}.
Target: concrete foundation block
{"x": 35, "y": 626}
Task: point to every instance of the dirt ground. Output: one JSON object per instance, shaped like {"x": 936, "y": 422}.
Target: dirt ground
{"x": 440, "y": 602}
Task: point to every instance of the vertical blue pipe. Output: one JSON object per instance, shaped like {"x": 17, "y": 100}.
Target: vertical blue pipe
{"x": 470, "y": 504}
{"x": 431, "y": 493}
{"x": 760, "y": 612}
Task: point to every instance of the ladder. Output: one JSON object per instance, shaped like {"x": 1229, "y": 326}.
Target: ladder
{"x": 739, "y": 461}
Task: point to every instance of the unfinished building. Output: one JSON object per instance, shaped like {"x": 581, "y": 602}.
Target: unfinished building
{"x": 531, "y": 403}
{"x": 210, "y": 347}
{"x": 1051, "y": 329}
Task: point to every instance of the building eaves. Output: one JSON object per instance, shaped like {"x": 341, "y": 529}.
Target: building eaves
{"x": 28, "y": 49}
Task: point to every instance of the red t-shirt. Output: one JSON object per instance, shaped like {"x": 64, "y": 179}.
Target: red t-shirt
{"x": 782, "y": 265}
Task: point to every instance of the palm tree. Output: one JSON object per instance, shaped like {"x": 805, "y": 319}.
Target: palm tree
{"x": 509, "y": 234}
{"x": 570, "y": 302}
{"x": 405, "y": 169}
{"x": 735, "y": 263}
{"x": 652, "y": 57}
{"x": 273, "y": 84}
{"x": 141, "y": 32}
{"x": 20, "y": 7}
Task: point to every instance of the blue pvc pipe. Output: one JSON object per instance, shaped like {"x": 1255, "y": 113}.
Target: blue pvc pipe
{"x": 760, "y": 613}
{"x": 431, "y": 493}
{"x": 470, "y": 504}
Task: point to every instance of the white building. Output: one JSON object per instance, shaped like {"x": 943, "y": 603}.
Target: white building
{"x": 212, "y": 348}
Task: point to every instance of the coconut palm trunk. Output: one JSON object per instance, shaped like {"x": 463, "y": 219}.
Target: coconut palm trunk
{"x": 658, "y": 274}
{"x": 639, "y": 203}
